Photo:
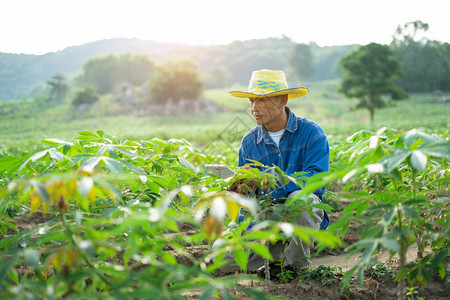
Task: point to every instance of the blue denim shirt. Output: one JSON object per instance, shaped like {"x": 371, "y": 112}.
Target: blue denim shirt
{"x": 303, "y": 148}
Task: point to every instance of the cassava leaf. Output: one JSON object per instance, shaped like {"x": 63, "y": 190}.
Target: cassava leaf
{"x": 437, "y": 150}
{"x": 241, "y": 258}
{"x": 418, "y": 160}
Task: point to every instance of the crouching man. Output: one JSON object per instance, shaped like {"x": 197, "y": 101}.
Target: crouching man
{"x": 294, "y": 144}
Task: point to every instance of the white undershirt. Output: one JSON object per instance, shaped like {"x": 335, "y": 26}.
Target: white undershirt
{"x": 276, "y": 136}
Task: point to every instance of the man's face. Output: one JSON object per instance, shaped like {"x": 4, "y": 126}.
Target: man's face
{"x": 268, "y": 111}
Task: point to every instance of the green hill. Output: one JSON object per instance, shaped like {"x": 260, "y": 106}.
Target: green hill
{"x": 24, "y": 75}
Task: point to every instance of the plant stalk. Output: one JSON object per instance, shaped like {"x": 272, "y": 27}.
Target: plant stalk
{"x": 401, "y": 288}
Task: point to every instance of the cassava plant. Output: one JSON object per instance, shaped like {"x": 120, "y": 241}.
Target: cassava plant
{"x": 399, "y": 189}
{"x": 110, "y": 213}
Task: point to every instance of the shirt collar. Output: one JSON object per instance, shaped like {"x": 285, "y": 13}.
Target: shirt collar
{"x": 291, "y": 126}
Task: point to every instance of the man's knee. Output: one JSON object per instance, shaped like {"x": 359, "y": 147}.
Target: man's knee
{"x": 306, "y": 217}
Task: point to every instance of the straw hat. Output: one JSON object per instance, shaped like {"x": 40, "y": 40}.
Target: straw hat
{"x": 269, "y": 83}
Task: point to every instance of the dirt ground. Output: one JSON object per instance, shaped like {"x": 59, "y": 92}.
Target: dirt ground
{"x": 375, "y": 286}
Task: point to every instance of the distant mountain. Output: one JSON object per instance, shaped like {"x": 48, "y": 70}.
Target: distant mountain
{"x": 23, "y": 75}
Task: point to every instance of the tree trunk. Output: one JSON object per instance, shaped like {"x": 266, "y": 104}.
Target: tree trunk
{"x": 372, "y": 115}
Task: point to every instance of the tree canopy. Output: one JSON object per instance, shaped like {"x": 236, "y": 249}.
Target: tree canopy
{"x": 300, "y": 63}
{"x": 85, "y": 96}
{"x": 369, "y": 75}
{"x": 175, "y": 80}
{"x": 105, "y": 73}
{"x": 58, "y": 87}
{"x": 425, "y": 64}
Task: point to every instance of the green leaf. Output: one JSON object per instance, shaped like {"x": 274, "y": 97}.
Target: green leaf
{"x": 66, "y": 148}
{"x": 32, "y": 258}
{"x": 280, "y": 175}
{"x": 323, "y": 206}
{"x": 441, "y": 271}
{"x": 207, "y": 294}
{"x": 102, "y": 150}
{"x": 13, "y": 275}
{"x": 7, "y": 265}
{"x": 241, "y": 258}
{"x": 367, "y": 254}
{"x": 187, "y": 164}
{"x": 439, "y": 258}
{"x": 132, "y": 167}
{"x": 352, "y": 206}
{"x": 55, "y": 142}
{"x": 56, "y": 154}
{"x": 113, "y": 165}
{"x": 426, "y": 275}
{"x": 91, "y": 161}
{"x": 225, "y": 295}
{"x": 410, "y": 212}
{"x": 153, "y": 186}
{"x": 7, "y": 161}
{"x": 395, "y": 159}
{"x": 257, "y": 235}
{"x": 437, "y": 150}
{"x": 396, "y": 174}
{"x": 413, "y": 135}
{"x": 87, "y": 135}
{"x": 418, "y": 160}
{"x": 126, "y": 152}
{"x": 249, "y": 173}
{"x": 34, "y": 157}
{"x": 168, "y": 258}
{"x": 261, "y": 250}
{"x": 164, "y": 182}
{"x": 100, "y": 133}
{"x": 390, "y": 244}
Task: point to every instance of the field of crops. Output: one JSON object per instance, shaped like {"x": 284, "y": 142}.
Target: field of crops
{"x": 101, "y": 217}
{"x": 108, "y": 215}
{"x": 27, "y": 122}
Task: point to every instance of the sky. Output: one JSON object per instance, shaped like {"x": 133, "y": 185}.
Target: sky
{"x": 42, "y": 26}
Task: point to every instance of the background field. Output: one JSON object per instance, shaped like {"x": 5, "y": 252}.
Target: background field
{"x": 26, "y": 122}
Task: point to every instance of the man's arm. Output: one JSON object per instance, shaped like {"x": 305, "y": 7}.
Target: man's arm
{"x": 316, "y": 159}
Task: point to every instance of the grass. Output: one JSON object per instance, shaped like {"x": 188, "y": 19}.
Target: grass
{"x": 24, "y": 123}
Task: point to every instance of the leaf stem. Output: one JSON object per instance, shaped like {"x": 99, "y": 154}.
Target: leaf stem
{"x": 413, "y": 173}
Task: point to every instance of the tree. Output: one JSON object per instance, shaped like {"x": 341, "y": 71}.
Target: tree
{"x": 105, "y": 73}
{"x": 369, "y": 74}
{"x": 86, "y": 95}
{"x": 425, "y": 64}
{"x": 300, "y": 62}
{"x": 217, "y": 78}
{"x": 58, "y": 87}
{"x": 410, "y": 33}
{"x": 175, "y": 80}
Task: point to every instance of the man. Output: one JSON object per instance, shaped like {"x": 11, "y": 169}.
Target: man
{"x": 294, "y": 144}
